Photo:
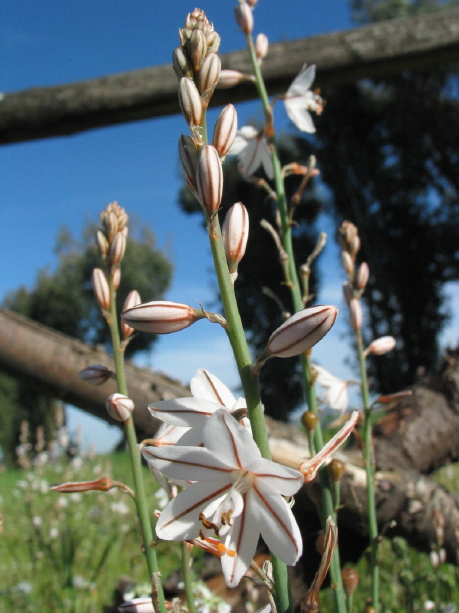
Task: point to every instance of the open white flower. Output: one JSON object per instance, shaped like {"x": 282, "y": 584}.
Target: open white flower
{"x": 253, "y": 150}
{"x": 209, "y": 395}
{"x": 237, "y": 493}
{"x": 299, "y": 100}
{"x": 336, "y": 395}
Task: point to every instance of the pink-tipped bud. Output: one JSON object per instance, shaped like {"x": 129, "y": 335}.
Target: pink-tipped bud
{"x": 116, "y": 277}
{"x": 209, "y": 179}
{"x": 181, "y": 64}
{"x": 348, "y": 293}
{"x": 138, "y": 605}
{"x": 230, "y": 78}
{"x": 100, "y": 287}
{"x": 102, "y": 243}
{"x": 97, "y": 374}
{"x": 132, "y": 300}
{"x": 354, "y": 246}
{"x": 362, "y": 276}
{"x": 225, "y": 130}
{"x": 261, "y": 46}
{"x": 117, "y": 248}
{"x": 355, "y": 314}
{"x": 244, "y": 18}
{"x": 111, "y": 225}
{"x": 209, "y": 73}
{"x": 189, "y": 160}
{"x": 197, "y": 48}
{"x": 302, "y": 331}
{"x": 382, "y": 345}
{"x": 102, "y": 485}
{"x": 347, "y": 262}
{"x": 235, "y": 232}
{"x": 119, "y": 407}
{"x": 161, "y": 317}
{"x": 190, "y": 101}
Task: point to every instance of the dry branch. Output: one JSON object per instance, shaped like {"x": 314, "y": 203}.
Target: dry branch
{"x": 371, "y": 51}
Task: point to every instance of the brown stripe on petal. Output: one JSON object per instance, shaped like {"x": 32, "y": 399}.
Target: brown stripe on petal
{"x": 206, "y": 374}
{"x": 198, "y": 504}
{"x": 240, "y": 536}
{"x": 278, "y": 519}
{"x": 181, "y": 411}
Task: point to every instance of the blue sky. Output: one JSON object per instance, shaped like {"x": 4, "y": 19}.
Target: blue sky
{"x": 50, "y": 183}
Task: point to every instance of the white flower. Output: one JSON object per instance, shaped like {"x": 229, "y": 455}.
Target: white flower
{"x": 299, "y": 100}
{"x": 237, "y": 493}
{"x": 336, "y": 395}
{"x": 209, "y": 395}
{"x": 253, "y": 151}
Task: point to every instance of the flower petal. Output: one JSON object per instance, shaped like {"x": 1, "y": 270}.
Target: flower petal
{"x": 179, "y": 520}
{"x": 303, "y": 81}
{"x": 184, "y": 412}
{"x": 298, "y": 113}
{"x": 186, "y": 463}
{"x": 228, "y": 441}
{"x": 207, "y": 386}
{"x": 243, "y": 539}
{"x": 284, "y": 480}
{"x": 276, "y": 523}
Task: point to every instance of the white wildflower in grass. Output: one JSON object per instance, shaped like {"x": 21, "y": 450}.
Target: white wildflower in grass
{"x": 336, "y": 393}
{"x": 207, "y": 601}
{"x": 253, "y": 152}
{"x": 237, "y": 493}
{"x": 209, "y": 395}
{"x": 299, "y": 100}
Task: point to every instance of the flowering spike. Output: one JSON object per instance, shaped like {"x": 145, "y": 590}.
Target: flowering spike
{"x": 119, "y": 407}
{"x": 161, "y": 317}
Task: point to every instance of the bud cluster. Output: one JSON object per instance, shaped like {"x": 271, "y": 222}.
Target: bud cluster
{"x": 111, "y": 240}
{"x": 349, "y": 241}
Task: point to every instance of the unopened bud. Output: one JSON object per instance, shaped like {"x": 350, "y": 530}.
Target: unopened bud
{"x": 261, "y": 46}
{"x": 382, "y": 345}
{"x": 197, "y": 48}
{"x": 302, "y": 331}
{"x": 119, "y": 407}
{"x": 244, "y": 17}
{"x": 354, "y": 246}
{"x": 309, "y": 420}
{"x": 102, "y": 243}
{"x": 117, "y": 248}
{"x": 362, "y": 276}
{"x": 97, "y": 374}
{"x": 209, "y": 73}
{"x": 213, "y": 42}
{"x": 116, "y": 277}
{"x": 348, "y": 293}
{"x": 100, "y": 287}
{"x": 335, "y": 470}
{"x": 111, "y": 225}
{"x": 355, "y": 314}
{"x": 190, "y": 101}
{"x": 103, "y": 485}
{"x": 132, "y": 300}
{"x": 225, "y": 130}
{"x": 189, "y": 160}
{"x": 350, "y": 580}
{"x": 161, "y": 317}
{"x": 230, "y": 78}
{"x": 209, "y": 179}
{"x": 181, "y": 63}
{"x": 347, "y": 262}
{"x": 235, "y": 232}
{"x": 138, "y": 605}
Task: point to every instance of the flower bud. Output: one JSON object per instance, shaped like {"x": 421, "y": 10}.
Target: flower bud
{"x": 355, "y": 313}
{"x": 244, "y": 18}
{"x": 181, "y": 64}
{"x": 230, "y": 78}
{"x": 382, "y": 345}
{"x": 225, "y": 130}
{"x": 100, "y": 287}
{"x": 190, "y": 101}
{"x": 213, "y": 42}
{"x": 96, "y": 374}
{"x": 362, "y": 276}
{"x": 235, "y": 232}
{"x": 110, "y": 224}
{"x": 119, "y": 407}
{"x": 103, "y": 485}
{"x": 117, "y": 248}
{"x": 309, "y": 420}
{"x": 138, "y": 605}
{"x": 209, "y": 179}
{"x": 189, "y": 160}
{"x": 261, "y": 46}
{"x": 302, "y": 331}
{"x": 348, "y": 293}
{"x": 116, "y": 276}
{"x": 335, "y": 470}
{"x": 197, "y": 48}
{"x": 161, "y": 317}
{"x": 347, "y": 262}
{"x": 354, "y": 246}
{"x": 132, "y": 300}
{"x": 350, "y": 580}
{"x": 102, "y": 243}
{"x": 209, "y": 73}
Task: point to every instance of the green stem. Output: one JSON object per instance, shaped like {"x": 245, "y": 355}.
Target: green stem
{"x": 369, "y": 469}
{"x": 298, "y": 304}
{"x": 140, "y": 499}
{"x": 188, "y": 577}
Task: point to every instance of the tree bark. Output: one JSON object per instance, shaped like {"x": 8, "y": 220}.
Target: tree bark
{"x": 367, "y": 52}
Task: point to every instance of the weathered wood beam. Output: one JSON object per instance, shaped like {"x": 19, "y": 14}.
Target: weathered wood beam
{"x": 370, "y": 51}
